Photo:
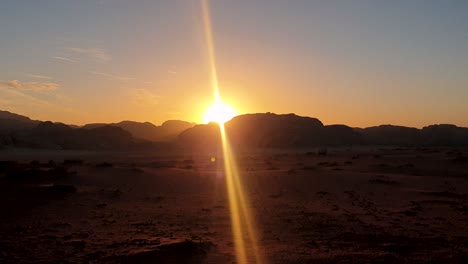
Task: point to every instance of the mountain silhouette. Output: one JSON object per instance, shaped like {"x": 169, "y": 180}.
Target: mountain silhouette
{"x": 267, "y": 130}
{"x": 272, "y": 131}
{"x": 391, "y": 135}
{"x": 261, "y": 130}
{"x": 168, "y": 131}
{"x": 10, "y": 122}
{"x": 445, "y": 135}
{"x": 48, "y": 135}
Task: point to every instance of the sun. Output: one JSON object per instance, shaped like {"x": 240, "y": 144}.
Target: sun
{"x": 219, "y": 112}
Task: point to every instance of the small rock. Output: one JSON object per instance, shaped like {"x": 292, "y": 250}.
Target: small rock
{"x": 76, "y": 243}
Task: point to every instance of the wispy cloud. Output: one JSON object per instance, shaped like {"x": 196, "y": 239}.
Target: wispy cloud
{"x": 64, "y": 59}
{"x": 17, "y": 100}
{"x": 145, "y": 98}
{"x": 113, "y": 77}
{"x": 38, "y": 76}
{"x": 29, "y": 86}
{"x": 63, "y": 98}
{"x": 94, "y": 53}
{"x": 15, "y": 97}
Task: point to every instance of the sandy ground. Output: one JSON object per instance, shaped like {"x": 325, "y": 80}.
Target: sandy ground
{"x": 350, "y": 206}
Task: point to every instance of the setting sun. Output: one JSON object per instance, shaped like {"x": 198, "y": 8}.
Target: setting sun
{"x": 218, "y": 112}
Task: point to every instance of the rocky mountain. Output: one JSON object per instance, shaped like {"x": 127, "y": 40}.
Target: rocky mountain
{"x": 48, "y": 135}
{"x": 262, "y": 130}
{"x": 444, "y": 135}
{"x": 292, "y": 131}
{"x": 391, "y": 135}
{"x": 168, "y": 131}
{"x": 271, "y": 130}
{"x": 10, "y": 122}
{"x": 205, "y": 137}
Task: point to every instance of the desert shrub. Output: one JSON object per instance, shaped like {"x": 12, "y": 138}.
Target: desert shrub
{"x": 104, "y": 165}
{"x": 384, "y": 181}
{"x": 322, "y": 151}
{"x": 61, "y": 189}
{"x": 73, "y": 162}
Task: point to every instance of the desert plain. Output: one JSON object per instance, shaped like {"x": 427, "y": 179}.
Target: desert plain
{"x": 347, "y": 205}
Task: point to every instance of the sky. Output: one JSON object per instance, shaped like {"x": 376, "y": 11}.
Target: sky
{"x": 360, "y": 63}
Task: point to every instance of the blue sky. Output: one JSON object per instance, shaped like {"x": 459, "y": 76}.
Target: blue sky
{"x": 357, "y": 62}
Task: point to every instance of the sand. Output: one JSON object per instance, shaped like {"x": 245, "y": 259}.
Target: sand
{"x": 349, "y": 206}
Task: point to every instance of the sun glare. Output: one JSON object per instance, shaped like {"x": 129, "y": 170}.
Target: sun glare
{"x": 219, "y": 112}
{"x": 243, "y": 226}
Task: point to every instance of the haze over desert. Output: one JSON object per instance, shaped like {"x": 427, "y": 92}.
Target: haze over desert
{"x": 233, "y": 131}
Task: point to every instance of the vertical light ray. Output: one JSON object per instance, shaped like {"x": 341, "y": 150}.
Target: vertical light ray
{"x": 211, "y": 49}
{"x": 247, "y": 214}
{"x": 236, "y": 223}
{"x": 242, "y": 224}
{"x": 235, "y": 185}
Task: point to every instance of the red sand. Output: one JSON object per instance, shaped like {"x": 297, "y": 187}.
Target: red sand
{"x": 386, "y": 206}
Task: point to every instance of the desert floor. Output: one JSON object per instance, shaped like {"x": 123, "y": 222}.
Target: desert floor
{"x": 349, "y": 206}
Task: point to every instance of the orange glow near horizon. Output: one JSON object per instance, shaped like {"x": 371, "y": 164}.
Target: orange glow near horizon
{"x": 242, "y": 222}
{"x": 219, "y": 112}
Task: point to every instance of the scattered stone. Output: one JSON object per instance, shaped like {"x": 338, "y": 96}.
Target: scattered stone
{"x": 384, "y": 181}
{"x": 179, "y": 252}
{"x": 61, "y": 189}
{"x": 76, "y": 243}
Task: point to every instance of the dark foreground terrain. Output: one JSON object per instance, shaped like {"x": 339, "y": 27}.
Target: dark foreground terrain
{"x": 348, "y": 206}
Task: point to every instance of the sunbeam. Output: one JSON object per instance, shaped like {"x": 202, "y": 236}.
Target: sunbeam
{"x": 242, "y": 222}
{"x": 210, "y": 46}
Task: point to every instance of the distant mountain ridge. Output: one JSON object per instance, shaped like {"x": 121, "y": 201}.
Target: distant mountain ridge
{"x": 261, "y": 130}
{"x": 168, "y": 131}
{"x": 10, "y": 122}
{"x": 48, "y": 135}
{"x": 267, "y": 130}
{"x": 20, "y": 131}
{"x": 13, "y": 116}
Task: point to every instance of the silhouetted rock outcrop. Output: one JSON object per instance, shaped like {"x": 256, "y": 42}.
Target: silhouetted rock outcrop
{"x": 168, "y": 131}
{"x": 292, "y": 131}
{"x": 444, "y": 135}
{"x": 172, "y": 128}
{"x": 107, "y": 137}
{"x": 264, "y": 130}
{"x": 340, "y": 135}
{"x": 45, "y": 135}
{"x": 274, "y": 131}
{"x": 10, "y": 122}
{"x": 13, "y": 116}
{"x": 205, "y": 137}
{"x": 391, "y": 135}
{"x": 94, "y": 125}
{"x": 48, "y": 135}
{"x": 259, "y": 131}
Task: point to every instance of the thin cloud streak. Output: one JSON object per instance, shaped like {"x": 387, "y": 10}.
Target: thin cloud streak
{"x": 31, "y": 99}
{"x": 38, "y": 76}
{"x": 114, "y": 77}
{"x": 17, "y": 99}
{"x": 145, "y": 98}
{"x": 64, "y": 59}
{"x": 29, "y": 86}
{"x": 94, "y": 53}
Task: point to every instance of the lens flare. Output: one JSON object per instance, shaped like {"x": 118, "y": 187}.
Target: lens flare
{"x": 242, "y": 220}
{"x": 244, "y": 231}
{"x": 219, "y": 112}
